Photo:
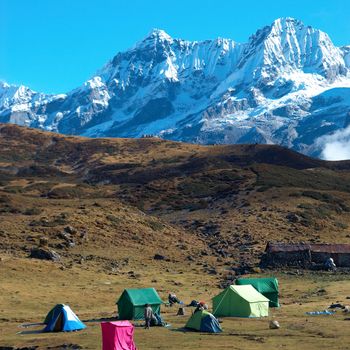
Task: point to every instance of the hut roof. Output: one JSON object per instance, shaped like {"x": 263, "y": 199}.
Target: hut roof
{"x": 315, "y": 247}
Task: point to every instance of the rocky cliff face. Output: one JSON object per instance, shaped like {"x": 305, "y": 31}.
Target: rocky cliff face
{"x": 288, "y": 85}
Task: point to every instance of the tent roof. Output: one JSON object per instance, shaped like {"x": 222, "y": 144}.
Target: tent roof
{"x": 142, "y": 296}
{"x": 195, "y": 319}
{"x": 197, "y": 316}
{"x": 249, "y": 293}
{"x": 52, "y": 312}
{"x": 202, "y": 313}
{"x": 70, "y": 320}
{"x": 263, "y": 285}
{"x": 58, "y": 306}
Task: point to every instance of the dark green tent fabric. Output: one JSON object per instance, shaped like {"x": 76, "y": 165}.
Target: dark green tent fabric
{"x": 131, "y": 303}
{"x": 266, "y": 286}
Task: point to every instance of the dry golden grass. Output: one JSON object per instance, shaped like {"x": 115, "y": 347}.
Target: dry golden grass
{"x": 30, "y": 288}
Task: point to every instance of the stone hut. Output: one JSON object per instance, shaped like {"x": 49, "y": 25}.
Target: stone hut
{"x": 305, "y": 254}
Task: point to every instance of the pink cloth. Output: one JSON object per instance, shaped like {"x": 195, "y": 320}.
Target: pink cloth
{"x": 118, "y": 336}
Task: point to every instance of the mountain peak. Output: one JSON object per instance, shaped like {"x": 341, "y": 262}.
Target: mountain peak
{"x": 279, "y": 27}
{"x": 3, "y": 84}
{"x": 288, "y": 45}
{"x": 159, "y": 34}
{"x": 290, "y": 26}
{"x": 286, "y": 23}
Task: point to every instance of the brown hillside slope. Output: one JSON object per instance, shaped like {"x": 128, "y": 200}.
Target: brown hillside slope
{"x": 107, "y": 206}
{"x": 232, "y": 198}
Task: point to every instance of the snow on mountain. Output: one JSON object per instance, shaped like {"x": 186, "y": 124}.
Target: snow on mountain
{"x": 346, "y": 54}
{"x": 18, "y": 104}
{"x": 288, "y": 85}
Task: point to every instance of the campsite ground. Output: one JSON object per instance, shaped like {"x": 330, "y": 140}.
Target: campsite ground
{"x": 108, "y": 207}
{"x": 29, "y": 288}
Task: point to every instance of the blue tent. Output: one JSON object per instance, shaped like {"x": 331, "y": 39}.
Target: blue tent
{"x": 62, "y": 319}
{"x": 204, "y": 321}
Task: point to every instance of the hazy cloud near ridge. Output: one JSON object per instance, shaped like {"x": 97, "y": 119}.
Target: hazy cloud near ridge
{"x": 336, "y": 146}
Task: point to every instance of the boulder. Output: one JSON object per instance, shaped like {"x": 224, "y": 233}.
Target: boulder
{"x": 274, "y": 324}
{"x": 64, "y": 235}
{"x": 71, "y": 230}
{"x": 292, "y": 217}
{"x": 159, "y": 257}
{"x": 44, "y": 254}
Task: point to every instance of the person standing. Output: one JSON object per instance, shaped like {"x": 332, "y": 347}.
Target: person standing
{"x": 148, "y": 314}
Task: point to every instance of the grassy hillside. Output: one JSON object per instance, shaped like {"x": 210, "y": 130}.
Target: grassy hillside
{"x": 107, "y": 206}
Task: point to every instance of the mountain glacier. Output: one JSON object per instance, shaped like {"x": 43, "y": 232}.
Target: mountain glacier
{"x": 287, "y": 85}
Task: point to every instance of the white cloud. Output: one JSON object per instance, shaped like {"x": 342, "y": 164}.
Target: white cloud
{"x": 336, "y": 146}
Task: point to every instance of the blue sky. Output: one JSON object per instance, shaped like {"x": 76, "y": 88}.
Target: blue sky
{"x": 53, "y": 46}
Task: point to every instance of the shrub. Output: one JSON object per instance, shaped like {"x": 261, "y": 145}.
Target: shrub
{"x": 66, "y": 192}
{"x": 264, "y": 188}
{"x": 114, "y": 219}
{"x": 341, "y": 225}
{"x": 32, "y": 211}
{"x": 155, "y": 225}
{"x": 55, "y": 221}
{"x": 295, "y": 194}
{"x": 305, "y": 206}
{"x": 10, "y": 209}
{"x": 42, "y": 187}
{"x": 13, "y": 189}
{"x": 4, "y": 199}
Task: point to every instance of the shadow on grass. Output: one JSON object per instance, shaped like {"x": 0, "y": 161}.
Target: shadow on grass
{"x": 184, "y": 330}
{"x": 102, "y": 319}
{"x": 38, "y": 331}
{"x": 26, "y": 325}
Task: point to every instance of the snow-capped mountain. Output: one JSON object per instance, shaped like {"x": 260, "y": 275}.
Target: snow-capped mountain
{"x": 287, "y": 85}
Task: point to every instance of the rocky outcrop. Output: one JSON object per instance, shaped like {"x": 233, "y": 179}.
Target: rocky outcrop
{"x": 44, "y": 254}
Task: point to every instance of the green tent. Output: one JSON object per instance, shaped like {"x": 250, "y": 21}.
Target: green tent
{"x": 266, "y": 286}
{"x": 203, "y": 321}
{"x": 131, "y": 303}
{"x": 240, "y": 301}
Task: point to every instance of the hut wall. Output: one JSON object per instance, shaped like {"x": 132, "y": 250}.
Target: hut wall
{"x": 340, "y": 259}
{"x": 289, "y": 258}
{"x": 344, "y": 259}
{"x": 321, "y": 257}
